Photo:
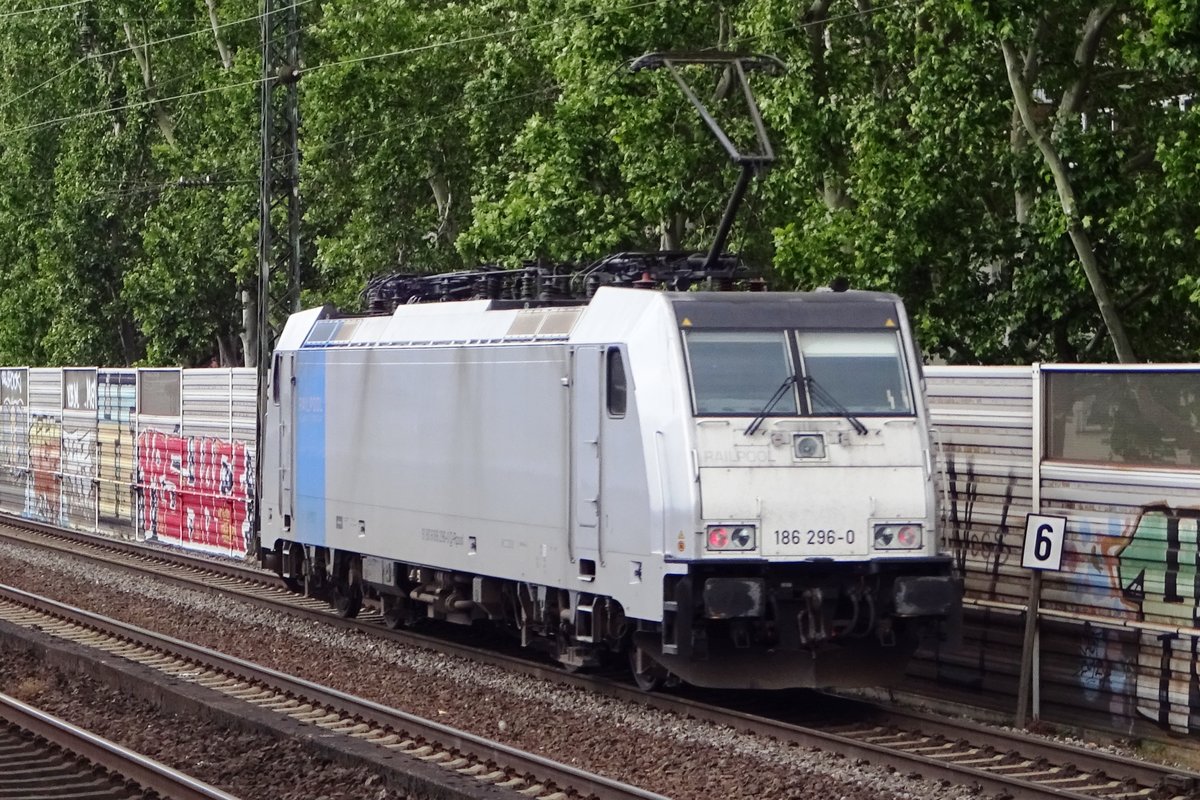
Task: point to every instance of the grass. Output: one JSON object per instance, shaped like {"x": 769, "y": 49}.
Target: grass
{"x": 28, "y": 689}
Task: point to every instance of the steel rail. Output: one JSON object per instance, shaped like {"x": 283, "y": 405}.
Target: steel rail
{"x": 228, "y": 568}
{"x": 507, "y": 757}
{"x": 1084, "y": 759}
{"x": 1178, "y": 783}
{"x": 147, "y": 773}
{"x": 265, "y": 590}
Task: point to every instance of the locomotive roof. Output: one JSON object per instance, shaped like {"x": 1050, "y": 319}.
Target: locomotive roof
{"x": 785, "y": 309}
{"x": 611, "y": 312}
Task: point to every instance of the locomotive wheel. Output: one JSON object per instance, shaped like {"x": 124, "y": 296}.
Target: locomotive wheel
{"x": 346, "y": 599}
{"x": 393, "y": 617}
{"x": 398, "y": 613}
{"x": 648, "y": 674}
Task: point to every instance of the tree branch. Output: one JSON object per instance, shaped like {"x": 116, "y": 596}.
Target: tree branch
{"x": 1085, "y": 60}
{"x": 226, "y": 57}
{"x": 142, "y": 53}
{"x": 1066, "y": 195}
{"x": 1017, "y": 138}
{"x": 444, "y": 199}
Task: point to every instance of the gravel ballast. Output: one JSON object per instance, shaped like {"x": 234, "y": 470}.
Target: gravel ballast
{"x": 240, "y": 763}
{"x": 656, "y": 750}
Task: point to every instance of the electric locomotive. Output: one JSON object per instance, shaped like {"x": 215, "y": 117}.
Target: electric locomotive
{"x": 732, "y": 489}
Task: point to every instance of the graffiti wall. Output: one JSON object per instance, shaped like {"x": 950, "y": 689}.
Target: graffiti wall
{"x": 14, "y": 437}
{"x": 116, "y": 456}
{"x": 1119, "y": 622}
{"x": 195, "y": 492}
{"x": 77, "y": 448}
{"x": 42, "y": 495}
{"x": 77, "y": 453}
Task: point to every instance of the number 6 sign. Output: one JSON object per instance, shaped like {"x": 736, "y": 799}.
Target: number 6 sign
{"x": 1043, "y": 542}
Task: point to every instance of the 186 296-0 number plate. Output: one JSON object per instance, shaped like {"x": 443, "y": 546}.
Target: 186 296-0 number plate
{"x": 810, "y": 540}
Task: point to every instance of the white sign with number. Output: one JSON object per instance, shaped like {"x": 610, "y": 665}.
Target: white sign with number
{"x": 1043, "y": 542}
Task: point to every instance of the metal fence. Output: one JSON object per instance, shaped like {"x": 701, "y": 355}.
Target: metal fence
{"x": 151, "y": 454}
{"x": 1116, "y": 451}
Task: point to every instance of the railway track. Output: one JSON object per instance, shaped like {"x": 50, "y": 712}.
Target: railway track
{"x": 1008, "y": 763}
{"x": 329, "y": 712}
{"x": 45, "y": 757}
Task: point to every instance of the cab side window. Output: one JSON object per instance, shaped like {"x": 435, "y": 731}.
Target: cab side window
{"x": 616, "y": 383}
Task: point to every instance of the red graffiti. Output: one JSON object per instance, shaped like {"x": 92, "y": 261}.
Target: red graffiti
{"x": 194, "y": 491}
{"x": 44, "y": 460}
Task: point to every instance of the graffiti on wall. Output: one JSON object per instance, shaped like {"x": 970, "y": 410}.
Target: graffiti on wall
{"x": 968, "y": 538}
{"x": 78, "y": 456}
{"x": 1106, "y": 671}
{"x": 195, "y": 491}
{"x": 42, "y": 495}
{"x": 77, "y": 453}
{"x": 14, "y": 435}
{"x": 1142, "y": 567}
{"x": 982, "y": 545}
{"x": 115, "y": 448}
{"x": 115, "y": 472}
{"x": 1158, "y": 577}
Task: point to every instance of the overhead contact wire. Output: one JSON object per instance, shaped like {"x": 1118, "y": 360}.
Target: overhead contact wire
{"x": 27, "y": 11}
{"x": 361, "y": 59}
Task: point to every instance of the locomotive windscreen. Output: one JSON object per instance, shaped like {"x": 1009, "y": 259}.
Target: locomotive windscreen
{"x": 821, "y": 372}
{"x": 736, "y": 372}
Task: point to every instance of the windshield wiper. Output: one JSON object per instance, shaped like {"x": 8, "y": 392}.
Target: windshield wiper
{"x": 825, "y": 397}
{"x": 775, "y": 398}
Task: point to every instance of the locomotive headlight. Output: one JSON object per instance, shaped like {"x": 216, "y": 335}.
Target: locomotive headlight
{"x": 898, "y": 537}
{"x": 808, "y": 445}
{"x": 725, "y": 538}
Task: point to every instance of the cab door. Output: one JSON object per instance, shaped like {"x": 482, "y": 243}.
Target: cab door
{"x": 586, "y": 364}
{"x": 283, "y": 394}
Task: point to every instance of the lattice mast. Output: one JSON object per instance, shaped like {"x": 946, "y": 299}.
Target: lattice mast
{"x": 279, "y": 254}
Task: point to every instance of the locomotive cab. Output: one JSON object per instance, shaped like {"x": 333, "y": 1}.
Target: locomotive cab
{"x": 815, "y": 544}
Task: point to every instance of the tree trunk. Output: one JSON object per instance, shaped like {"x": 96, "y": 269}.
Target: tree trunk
{"x": 833, "y": 180}
{"x": 1017, "y": 138}
{"x": 250, "y": 328}
{"x": 226, "y": 57}
{"x": 227, "y": 354}
{"x": 444, "y": 198}
{"x": 670, "y": 232}
{"x": 142, "y": 54}
{"x": 1066, "y": 195}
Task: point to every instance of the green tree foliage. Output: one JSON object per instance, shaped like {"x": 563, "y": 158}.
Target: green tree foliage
{"x": 439, "y": 135}
{"x": 107, "y": 256}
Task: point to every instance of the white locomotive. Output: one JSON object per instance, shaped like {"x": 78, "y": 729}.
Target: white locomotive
{"x": 732, "y": 489}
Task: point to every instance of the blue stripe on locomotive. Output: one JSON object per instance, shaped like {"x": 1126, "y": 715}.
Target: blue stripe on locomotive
{"x": 310, "y": 447}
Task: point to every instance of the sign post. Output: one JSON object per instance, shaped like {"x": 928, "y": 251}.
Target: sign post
{"x": 1043, "y": 551}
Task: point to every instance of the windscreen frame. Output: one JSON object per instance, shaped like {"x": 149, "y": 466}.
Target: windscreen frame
{"x": 799, "y": 396}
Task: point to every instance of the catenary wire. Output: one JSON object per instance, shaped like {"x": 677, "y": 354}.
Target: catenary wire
{"x": 199, "y": 32}
{"x": 391, "y": 128}
{"x": 202, "y": 31}
{"x": 360, "y": 59}
{"x": 548, "y": 89}
{"x": 27, "y": 11}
